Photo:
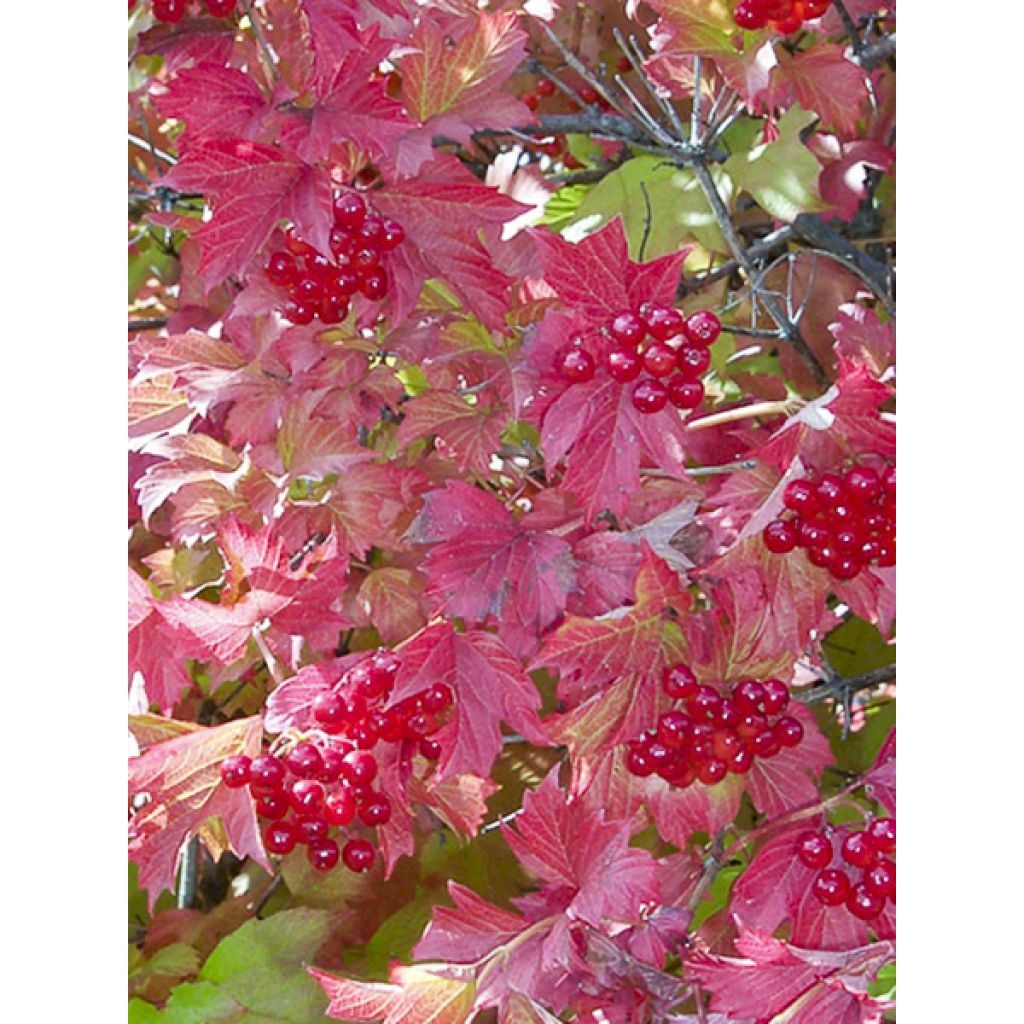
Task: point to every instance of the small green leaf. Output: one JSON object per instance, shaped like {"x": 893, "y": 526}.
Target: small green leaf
{"x": 561, "y": 207}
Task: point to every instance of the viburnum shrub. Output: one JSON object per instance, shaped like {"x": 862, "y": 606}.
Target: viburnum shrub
{"x": 512, "y": 511}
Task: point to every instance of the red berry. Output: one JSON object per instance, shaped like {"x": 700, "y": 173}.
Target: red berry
{"x": 374, "y": 284}
{"x": 863, "y": 485}
{"x": 712, "y": 772}
{"x": 824, "y": 557}
{"x": 801, "y": 497}
{"x": 169, "y": 11}
{"x": 747, "y": 17}
{"x": 858, "y": 851}
{"x": 813, "y": 850}
{"x": 776, "y": 696}
{"x": 360, "y": 767}
{"x": 220, "y": 8}
{"x": 329, "y": 709}
{"x": 365, "y": 259}
{"x": 693, "y": 362}
{"x": 375, "y": 810}
{"x": 438, "y": 698}
{"x": 649, "y": 396}
{"x": 741, "y": 762}
{"x": 358, "y": 855}
{"x": 331, "y": 311}
{"x": 638, "y": 763}
{"x": 726, "y": 743}
{"x": 679, "y": 682}
{"x": 334, "y": 762}
{"x": 430, "y": 749}
{"x": 545, "y": 87}
{"x": 306, "y": 796}
{"x": 588, "y": 94}
{"x": 281, "y": 268}
{"x": 786, "y": 26}
{"x": 297, "y": 246}
{"x": 764, "y": 744}
{"x": 312, "y": 827}
{"x": 815, "y": 8}
{"x": 392, "y": 236}
{"x": 575, "y": 365}
{"x": 304, "y": 761}
{"x": 663, "y": 322}
{"x": 272, "y": 806}
{"x": 748, "y": 696}
{"x": 659, "y": 360}
{"x": 683, "y": 393}
{"x": 370, "y": 232}
{"x": 298, "y": 312}
{"x": 267, "y": 774}
{"x": 623, "y": 365}
{"x": 340, "y": 806}
{"x": 844, "y": 567}
{"x": 751, "y": 725}
{"x": 627, "y": 329}
{"x": 280, "y": 837}
{"x": 831, "y": 887}
{"x": 780, "y": 536}
{"x": 812, "y": 534}
{"x": 788, "y": 731}
{"x": 234, "y": 771}
{"x": 880, "y": 878}
{"x": 532, "y": 100}
{"x": 704, "y": 704}
{"x": 309, "y": 290}
{"x": 702, "y": 328}
{"x": 881, "y": 834}
{"x": 830, "y": 491}
{"x": 349, "y": 210}
{"x": 323, "y": 854}
{"x": 863, "y": 903}
{"x": 674, "y": 728}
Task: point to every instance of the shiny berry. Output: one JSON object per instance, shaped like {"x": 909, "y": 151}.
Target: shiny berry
{"x": 588, "y": 94}
{"x": 780, "y": 536}
{"x": 712, "y": 772}
{"x": 545, "y": 87}
{"x": 323, "y": 854}
{"x": 748, "y": 695}
{"x": 679, "y": 682}
{"x": 532, "y": 100}
{"x": 392, "y": 236}
{"x": 267, "y": 774}
{"x": 747, "y": 17}
{"x": 306, "y": 796}
{"x": 858, "y": 851}
{"x": 374, "y": 284}
{"x": 674, "y": 728}
{"x": 623, "y": 365}
{"x": 764, "y": 744}
{"x": 375, "y": 810}
{"x": 360, "y": 767}
{"x": 312, "y": 827}
{"x": 831, "y": 887}
{"x": 627, "y": 329}
{"x": 693, "y": 361}
{"x": 438, "y": 698}
{"x": 663, "y": 322}
{"x": 801, "y": 497}
{"x": 863, "y": 485}
{"x": 298, "y": 312}
{"x": 830, "y": 491}
{"x": 349, "y": 210}
{"x": 340, "y": 806}
{"x": 788, "y": 731}
{"x": 649, "y": 396}
{"x": 881, "y": 834}
{"x": 811, "y": 534}
{"x": 358, "y": 855}
{"x": 702, "y": 328}
{"x": 863, "y": 903}
{"x": 281, "y": 268}
{"x": 683, "y": 393}
{"x": 234, "y": 771}
{"x": 575, "y": 365}
{"x": 659, "y": 360}
{"x": 638, "y": 763}
{"x": 280, "y": 837}
{"x": 329, "y": 709}
{"x": 220, "y": 8}
{"x": 813, "y": 850}
{"x": 169, "y": 11}
{"x": 880, "y": 878}
{"x": 741, "y": 762}
{"x": 304, "y": 761}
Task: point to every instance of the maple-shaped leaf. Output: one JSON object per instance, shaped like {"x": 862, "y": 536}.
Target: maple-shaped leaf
{"x": 350, "y": 105}
{"x": 453, "y": 83}
{"x": 468, "y": 931}
{"x": 252, "y": 187}
{"x": 567, "y": 844}
{"x": 862, "y": 338}
{"x": 489, "y": 684}
{"x": 881, "y": 780}
{"x": 443, "y": 210}
{"x": 483, "y": 562}
{"x": 333, "y": 33}
{"x": 155, "y": 405}
{"x": 391, "y": 600}
{"x": 413, "y": 995}
{"x": 214, "y": 102}
{"x": 182, "y": 779}
{"x": 468, "y": 432}
{"x": 823, "y": 80}
{"x": 611, "y": 666}
{"x": 773, "y": 976}
{"x": 153, "y": 648}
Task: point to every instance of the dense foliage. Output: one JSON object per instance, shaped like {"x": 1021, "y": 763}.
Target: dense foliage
{"x": 512, "y": 508}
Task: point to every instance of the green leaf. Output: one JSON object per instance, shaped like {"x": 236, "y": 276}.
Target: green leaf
{"x": 782, "y": 175}
{"x": 856, "y": 647}
{"x": 257, "y": 975}
{"x": 884, "y": 985}
{"x": 395, "y": 938}
{"x": 561, "y": 206}
{"x": 141, "y": 1012}
{"x": 177, "y": 959}
{"x": 675, "y": 207}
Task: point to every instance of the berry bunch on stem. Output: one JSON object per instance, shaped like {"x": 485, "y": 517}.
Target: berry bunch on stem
{"x": 661, "y": 354}
{"x": 844, "y": 521}
{"x": 784, "y": 16}
{"x": 837, "y": 859}
{"x": 318, "y": 286}
{"x": 715, "y": 735}
{"x": 317, "y": 789}
{"x": 172, "y": 11}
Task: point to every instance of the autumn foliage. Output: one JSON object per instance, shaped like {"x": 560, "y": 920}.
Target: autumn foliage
{"x": 512, "y": 511}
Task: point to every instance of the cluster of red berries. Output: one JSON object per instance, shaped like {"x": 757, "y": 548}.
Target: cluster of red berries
{"x": 844, "y": 522}
{"x": 321, "y": 286}
{"x": 785, "y": 16}
{"x": 324, "y": 781}
{"x": 867, "y": 850}
{"x": 715, "y": 735}
{"x": 656, "y": 348}
{"x": 545, "y": 89}
{"x": 172, "y": 11}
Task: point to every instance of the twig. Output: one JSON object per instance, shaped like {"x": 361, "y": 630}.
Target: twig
{"x": 582, "y": 70}
{"x": 152, "y": 323}
{"x": 647, "y": 222}
{"x": 848, "y": 24}
{"x": 538, "y": 68}
{"x": 728, "y": 467}
{"x": 839, "y": 686}
{"x": 695, "y": 112}
{"x": 635, "y": 58}
{"x": 272, "y": 887}
{"x": 268, "y": 657}
{"x": 498, "y": 822}
{"x": 268, "y": 54}
{"x": 875, "y": 53}
{"x": 712, "y": 865}
{"x": 785, "y": 407}
{"x": 150, "y": 148}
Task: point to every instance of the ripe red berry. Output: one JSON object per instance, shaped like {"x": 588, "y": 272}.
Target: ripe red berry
{"x": 663, "y": 322}
{"x": 765, "y": 744}
{"x": 329, "y": 709}
{"x": 704, "y": 704}
{"x": 588, "y": 94}
{"x": 169, "y": 11}
{"x": 702, "y": 328}
{"x": 726, "y": 743}
{"x": 815, "y": 8}
{"x": 334, "y": 762}
{"x": 545, "y": 87}
{"x": 358, "y": 855}
{"x": 780, "y": 536}
{"x": 272, "y": 806}
{"x": 659, "y": 360}
{"x": 788, "y": 732}
{"x": 813, "y": 850}
{"x": 638, "y": 763}
{"x": 281, "y": 268}
{"x": 374, "y": 284}
{"x": 365, "y": 258}
{"x": 748, "y": 696}
{"x": 801, "y": 497}
{"x": 863, "y": 485}
{"x": 712, "y": 772}
{"x": 267, "y": 774}
{"x": 623, "y": 365}
{"x": 360, "y": 767}
{"x": 831, "y": 491}
{"x": 323, "y": 854}
{"x": 649, "y": 396}
{"x": 747, "y": 17}
{"x": 881, "y": 834}
{"x": 751, "y": 724}
{"x": 392, "y": 236}
{"x": 375, "y": 810}
{"x": 312, "y": 827}
{"x": 858, "y": 851}
{"x": 776, "y": 696}
{"x": 306, "y": 796}
{"x": 627, "y": 329}
{"x": 844, "y": 567}
{"x": 742, "y": 761}
{"x": 693, "y": 361}
{"x": 787, "y": 26}
{"x": 298, "y": 312}
{"x": 575, "y": 365}
{"x": 532, "y": 100}
{"x": 863, "y": 903}
{"x": 349, "y": 210}
{"x": 280, "y": 837}
{"x": 430, "y": 749}
{"x": 304, "y": 761}
{"x": 674, "y": 728}
{"x": 220, "y": 8}
{"x": 683, "y": 393}
{"x": 234, "y": 771}
{"x": 679, "y": 682}
{"x": 340, "y": 806}
{"x": 880, "y": 878}
{"x": 831, "y": 887}
{"x": 438, "y": 698}
{"x": 297, "y": 246}
{"x": 812, "y": 534}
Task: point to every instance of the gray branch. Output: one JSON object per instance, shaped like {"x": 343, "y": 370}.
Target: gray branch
{"x": 841, "y": 687}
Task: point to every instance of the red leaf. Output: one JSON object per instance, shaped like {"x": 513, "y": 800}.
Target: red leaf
{"x": 153, "y": 648}
{"x": 823, "y": 80}
{"x": 483, "y": 563}
{"x": 469, "y": 931}
{"x": 333, "y": 33}
{"x": 469, "y": 433}
{"x": 862, "y": 338}
{"x": 490, "y": 687}
{"x": 214, "y": 102}
{"x": 252, "y": 187}
{"x": 881, "y": 780}
{"x": 566, "y": 843}
{"x": 182, "y": 779}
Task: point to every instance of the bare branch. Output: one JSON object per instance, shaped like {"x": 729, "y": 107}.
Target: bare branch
{"x": 843, "y": 687}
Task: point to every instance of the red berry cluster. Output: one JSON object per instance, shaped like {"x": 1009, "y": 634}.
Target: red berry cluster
{"x": 715, "y": 735}
{"x": 844, "y": 522}
{"x": 867, "y": 850}
{"x": 545, "y": 88}
{"x": 325, "y": 781}
{"x": 656, "y": 348}
{"x": 318, "y": 286}
{"x": 172, "y": 11}
{"x": 784, "y": 16}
